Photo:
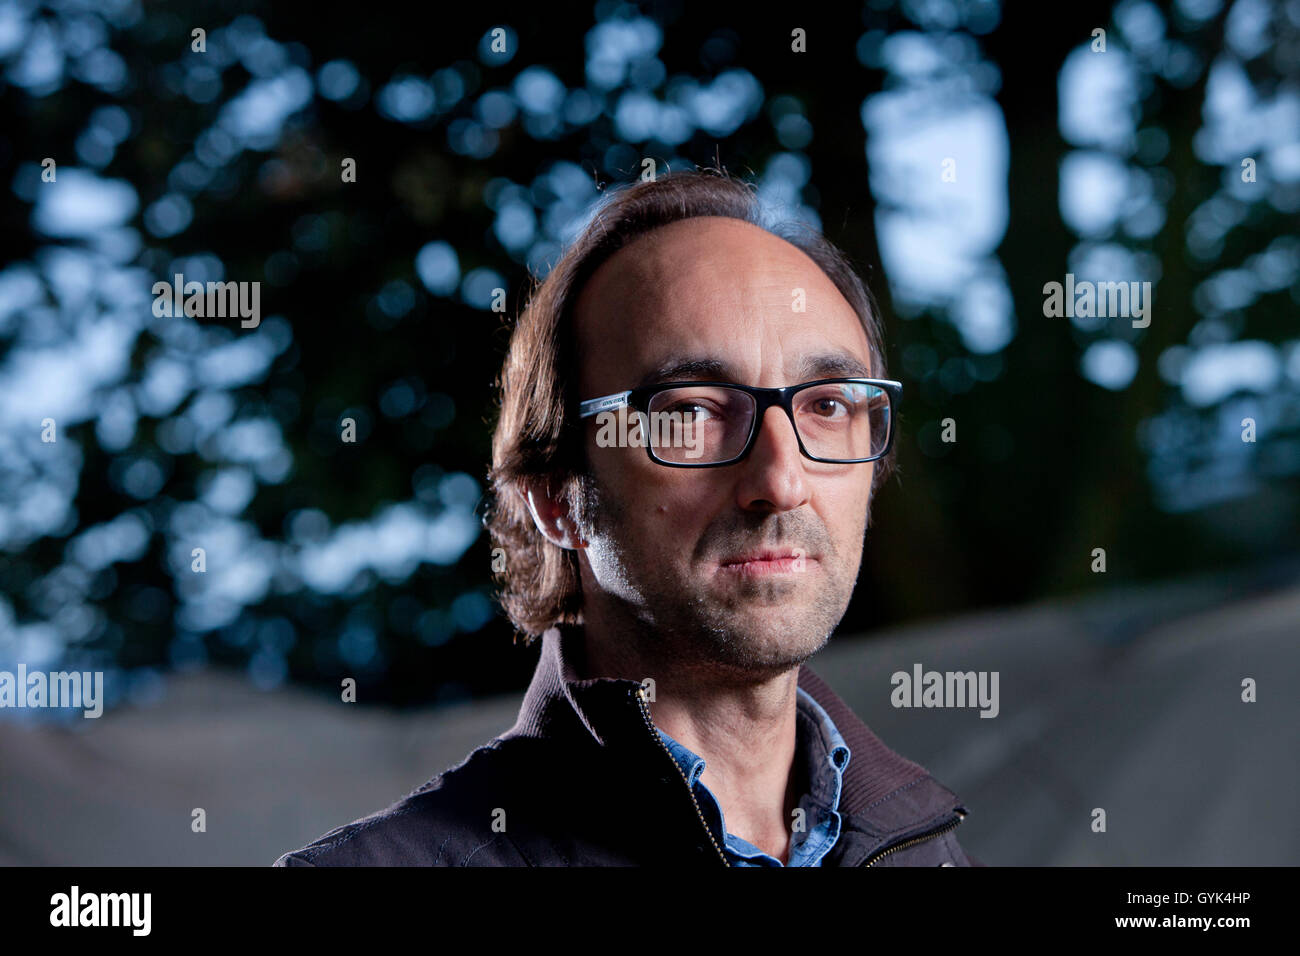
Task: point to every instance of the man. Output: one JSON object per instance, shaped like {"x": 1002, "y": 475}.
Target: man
{"x": 684, "y": 527}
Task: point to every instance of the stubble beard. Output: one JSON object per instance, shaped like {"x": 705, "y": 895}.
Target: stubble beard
{"x": 751, "y": 631}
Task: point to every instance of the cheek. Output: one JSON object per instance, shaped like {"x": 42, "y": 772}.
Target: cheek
{"x": 669, "y": 508}
{"x": 658, "y": 504}
{"x": 845, "y": 513}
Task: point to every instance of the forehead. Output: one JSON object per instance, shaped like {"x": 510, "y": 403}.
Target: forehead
{"x": 711, "y": 288}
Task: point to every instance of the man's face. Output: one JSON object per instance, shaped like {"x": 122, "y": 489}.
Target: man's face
{"x": 664, "y": 543}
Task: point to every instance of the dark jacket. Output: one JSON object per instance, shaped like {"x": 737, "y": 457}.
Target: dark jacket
{"x": 582, "y": 779}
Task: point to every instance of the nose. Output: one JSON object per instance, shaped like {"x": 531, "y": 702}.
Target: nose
{"x": 773, "y": 477}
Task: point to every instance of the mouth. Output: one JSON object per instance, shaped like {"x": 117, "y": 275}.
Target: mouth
{"x": 767, "y": 561}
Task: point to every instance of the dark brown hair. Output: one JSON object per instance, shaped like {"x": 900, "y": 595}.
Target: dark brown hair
{"x": 538, "y": 438}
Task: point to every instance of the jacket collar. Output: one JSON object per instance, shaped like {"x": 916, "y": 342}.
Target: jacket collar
{"x": 884, "y": 794}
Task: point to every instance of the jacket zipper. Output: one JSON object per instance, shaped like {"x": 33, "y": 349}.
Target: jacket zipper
{"x": 881, "y": 854}
{"x": 645, "y": 712}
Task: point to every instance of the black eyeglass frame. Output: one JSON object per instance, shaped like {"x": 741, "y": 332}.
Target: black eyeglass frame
{"x": 764, "y": 398}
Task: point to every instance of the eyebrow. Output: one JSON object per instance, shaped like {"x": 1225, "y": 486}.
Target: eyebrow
{"x": 822, "y": 365}
{"x": 687, "y": 369}
{"x": 833, "y": 365}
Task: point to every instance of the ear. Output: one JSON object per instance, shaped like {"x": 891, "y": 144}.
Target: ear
{"x": 551, "y": 515}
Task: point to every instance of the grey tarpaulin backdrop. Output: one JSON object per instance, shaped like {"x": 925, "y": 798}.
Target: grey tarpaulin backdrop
{"x": 1131, "y": 703}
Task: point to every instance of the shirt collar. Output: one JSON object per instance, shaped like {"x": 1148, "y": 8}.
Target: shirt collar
{"x": 827, "y": 753}
{"x": 818, "y": 743}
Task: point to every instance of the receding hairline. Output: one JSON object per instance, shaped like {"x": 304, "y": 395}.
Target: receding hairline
{"x": 644, "y": 275}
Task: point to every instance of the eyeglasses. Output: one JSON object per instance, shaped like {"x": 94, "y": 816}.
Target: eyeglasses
{"x": 707, "y": 424}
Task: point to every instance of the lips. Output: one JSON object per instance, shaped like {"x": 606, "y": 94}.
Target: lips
{"x": 764, "y": 562}
{"x": 767, "y": 554}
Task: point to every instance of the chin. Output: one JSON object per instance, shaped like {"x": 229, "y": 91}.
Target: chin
{"x": 777, "y": 638}
{"x": 780, "y": 618}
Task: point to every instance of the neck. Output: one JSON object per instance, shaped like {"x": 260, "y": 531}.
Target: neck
{"x": 743, "y": 727}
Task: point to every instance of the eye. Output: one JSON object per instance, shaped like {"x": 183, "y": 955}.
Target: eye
{"x": 828, "y": 407}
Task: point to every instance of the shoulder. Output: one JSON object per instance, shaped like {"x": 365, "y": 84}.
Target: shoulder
{"x": 452, "y": 820}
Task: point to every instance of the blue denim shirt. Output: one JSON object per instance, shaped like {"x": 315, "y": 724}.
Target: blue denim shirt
{"x": 819, "y": 744}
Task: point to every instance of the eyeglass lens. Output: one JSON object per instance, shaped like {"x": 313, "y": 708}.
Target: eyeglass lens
{"x": 704, "y": 424}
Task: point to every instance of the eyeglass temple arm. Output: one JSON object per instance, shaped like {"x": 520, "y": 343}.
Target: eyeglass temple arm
{"x": 607, "y": 403}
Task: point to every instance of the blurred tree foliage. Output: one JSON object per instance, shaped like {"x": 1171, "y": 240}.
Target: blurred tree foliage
{"x": 472, "y": 166}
